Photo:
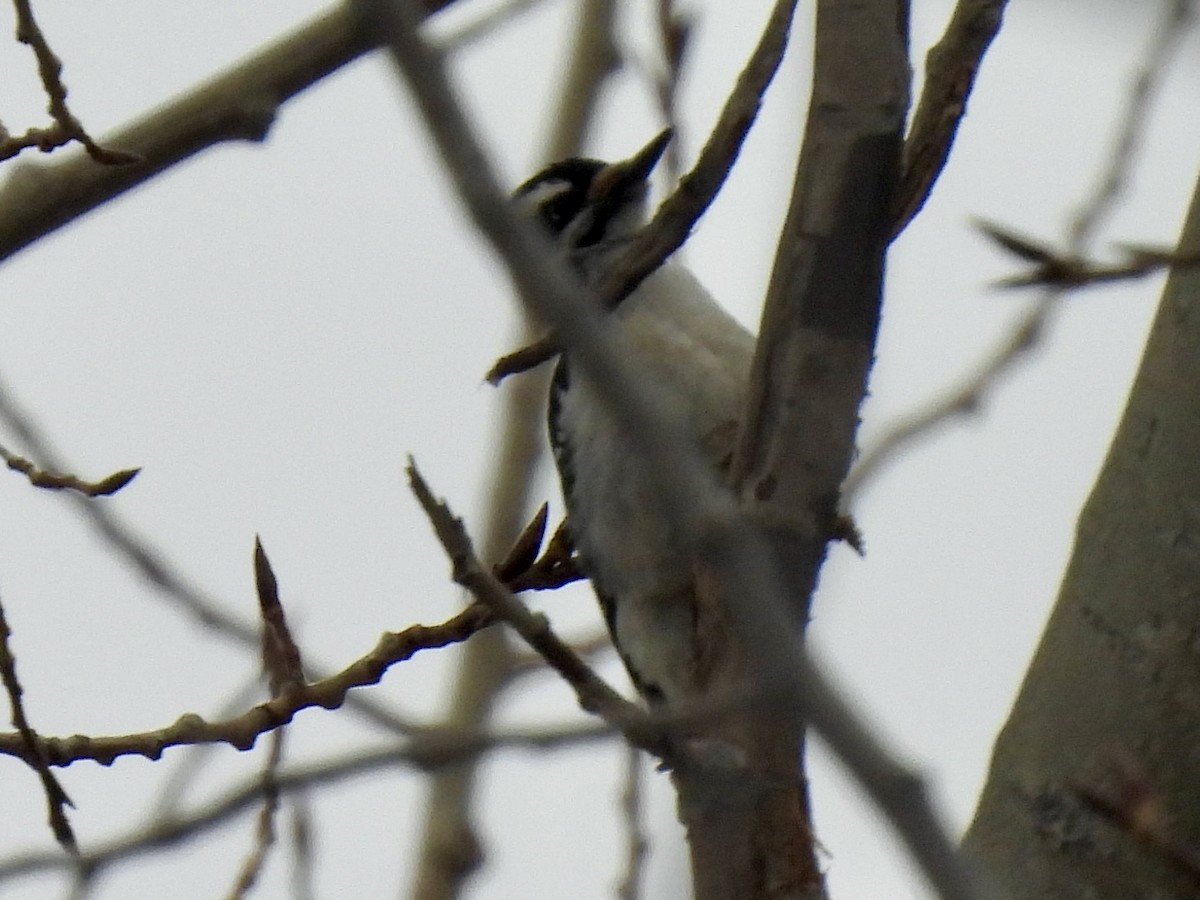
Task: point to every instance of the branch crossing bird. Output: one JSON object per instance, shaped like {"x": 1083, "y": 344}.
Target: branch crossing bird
{"x": 698, "y": 359}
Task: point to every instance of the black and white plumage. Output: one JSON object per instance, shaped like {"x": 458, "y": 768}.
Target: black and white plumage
{"x": 698, "y": 359}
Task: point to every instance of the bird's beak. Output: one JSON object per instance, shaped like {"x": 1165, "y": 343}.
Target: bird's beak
{"x": 617, "y": 179}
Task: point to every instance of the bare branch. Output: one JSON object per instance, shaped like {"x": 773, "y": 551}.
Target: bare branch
{"x": 450, "y": 851}
{"x": 636, "y": 842}
{"x": 159, "y": 571}
{"x": 1177, "y": 16}
{"x": 593, "y": 60}
{"x": 821, "y": 317}
{"x": 44, "y": 139}
{"x": 243, "y": 731}
{"x": 593, "y": 692}
{"x": 264, "y": 833}
{"x": 950, "y": 70}
{"x": 59, "y": 481}
{"x": 675, "y": 219}
{"x": 239, "y": 104}
{"x": 285, "y": 675}
{"x": 431, "y": 751}
{"x": 303, "y": 847}
{"x": 1027, "y": 333}
{"x": 797, "y": 436}
{"x": 1066, "y": 270}
{"x": 674, "y": 32}
{"x": 189, "y": 765}
{"x": 964, "y": 399}
{"x": 67, "y": 127}
{"x": 735, "y": 555}
{"x": 56, "y": 797}
{"x": 529, "y": 663}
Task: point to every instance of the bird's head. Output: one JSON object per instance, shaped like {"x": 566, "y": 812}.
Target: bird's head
{"x": 586, "y": 203}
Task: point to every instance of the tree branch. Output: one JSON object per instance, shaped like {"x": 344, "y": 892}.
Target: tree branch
{"x": 951, "y": 67}
{"x": 237, "y": 105}
{"x": 734, "y": 554}
{"x": 265, "y": 829}
{"x": 450, "y": 849}
{"x": 66, "y": 126}
{"x": 56, "y": 798}
{"x": 822, "y": 311}
{"x": 1114, "y": 663}
{"x": 424, "y": 753}
{"x": 1113, "y": 666}
{"x": 64, "y": 481}
{"x": 809, "y": 376}
{"x": 1057, "y": 270}
{"x": 243, "y": 731}
{"x": 636, "y": 842}
{"x": 152, "y": 565}
{"x": 594, "y": 694}
{"x": 677, "y": 216}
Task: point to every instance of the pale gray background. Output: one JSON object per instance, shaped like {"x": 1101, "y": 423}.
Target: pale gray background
{"x": 269, "y": 330}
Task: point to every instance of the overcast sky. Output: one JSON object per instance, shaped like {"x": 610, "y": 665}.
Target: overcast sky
{"x": 269, "y": 330}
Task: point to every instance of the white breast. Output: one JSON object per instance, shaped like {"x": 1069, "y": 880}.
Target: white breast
{"x": 699, "y": 358}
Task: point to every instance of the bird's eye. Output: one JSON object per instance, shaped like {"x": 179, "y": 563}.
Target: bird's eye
{"x": 558, "y": 211}
{"x": 556, "y": 203}
{"x": 558, "y": 194}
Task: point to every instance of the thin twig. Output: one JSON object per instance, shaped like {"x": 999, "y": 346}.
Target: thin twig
{"x": 264, "y": 833}
{"x": 45, "y": 139}
{"x": 154, "y": 566}
{"x": 1065, "y": 270}
{"x": 242, "y": 731}
{"x": 677, "y": 216}
{"x": 589, "y": 647}
{"x": 674, "y": 32}
{"x": 59, "y": 481}
{"x": 304, "y": 847}
{"x": 450, "y": 851}
{"x": 706, "y": 515}
{"x": 429, "y": 752}
{"x": 285, "y": 674}
{"x": 1177, "y": 16}
{"x": 594, "y": 694}
{"x": 237, "y": 104}
{"x": 192, "y": 758}
{"x": 965, "y": 399}
{"x": 1028, "y": 332}
{"x": 56, "y": 797}
{"x": 951, "y": 67}
{"x": 636, "y": 842}
{"x": 68, "y": 127}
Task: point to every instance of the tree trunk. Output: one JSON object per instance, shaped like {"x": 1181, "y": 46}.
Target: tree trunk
{"x": 1109, "y": 715}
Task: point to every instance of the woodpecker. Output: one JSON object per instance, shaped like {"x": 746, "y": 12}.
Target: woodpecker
{"x": 698, "y": 357}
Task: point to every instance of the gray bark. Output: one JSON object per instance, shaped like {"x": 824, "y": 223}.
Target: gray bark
{"x": 1111, "y": 703}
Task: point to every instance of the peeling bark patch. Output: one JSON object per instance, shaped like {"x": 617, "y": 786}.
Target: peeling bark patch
{"x": 1060, "y": 820}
